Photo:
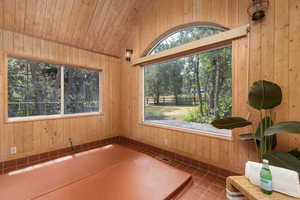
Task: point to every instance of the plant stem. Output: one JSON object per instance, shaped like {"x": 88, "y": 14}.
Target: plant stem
{"x": 256, "y": 144}
{"x": 261, "y": 136}
{"x": 263, "y": 132}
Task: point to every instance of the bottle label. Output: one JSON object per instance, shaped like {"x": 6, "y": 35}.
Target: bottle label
{"x": 266, "y": 184}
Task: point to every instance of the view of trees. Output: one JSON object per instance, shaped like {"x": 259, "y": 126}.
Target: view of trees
{"x": 34, "y": 88}
{"x": 201, "y": 81}
{"x": 81, "y": 90}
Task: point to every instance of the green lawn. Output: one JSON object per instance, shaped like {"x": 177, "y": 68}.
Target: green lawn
{"x": 166, "y": 112}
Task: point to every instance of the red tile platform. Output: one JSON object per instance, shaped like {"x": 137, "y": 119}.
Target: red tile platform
{"x": 112, "y": 172}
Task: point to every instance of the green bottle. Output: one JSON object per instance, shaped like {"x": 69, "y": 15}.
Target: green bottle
{"x": 266, "y": 178}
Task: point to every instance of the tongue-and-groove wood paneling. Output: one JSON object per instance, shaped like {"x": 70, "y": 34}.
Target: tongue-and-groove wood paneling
{"x": 274, "y": 55}
{"x": 39, "y": 136}
{"x": 97, "y": 25}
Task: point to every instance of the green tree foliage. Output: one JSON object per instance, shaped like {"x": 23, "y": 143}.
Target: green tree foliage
{"x": 205, "y": 78}
{"x": 156, "y": 79}
{"x": 81, "y": 88}
{"x": 34, "y": 88}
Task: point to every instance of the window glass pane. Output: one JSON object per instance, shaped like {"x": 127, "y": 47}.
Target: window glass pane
{"x": 190, "y": 92}
{"x": 81, "y": 90}
{"x": 184, "y": 36}
{"x": 33, "y": 88}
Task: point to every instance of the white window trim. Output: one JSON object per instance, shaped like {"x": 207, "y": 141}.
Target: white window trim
{"x": 62, "y": 90}
{"x": 62, "y": 114}
{"x": 187, "y": 130}
{"x": 100, "y": 92}
{"x": 45, "y": 117}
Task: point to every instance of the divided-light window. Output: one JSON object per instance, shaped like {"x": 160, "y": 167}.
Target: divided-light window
{"x": 38, "y": 89}
{"x": 189, "y": 92}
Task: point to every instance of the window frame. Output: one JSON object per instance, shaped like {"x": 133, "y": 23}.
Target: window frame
{"x": 61, "y": 115}
{"x": 140, "y": 64}
{"x": 175, "y": 128}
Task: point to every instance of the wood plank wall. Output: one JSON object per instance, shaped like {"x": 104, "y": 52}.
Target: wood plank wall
{"x": 46, "y": 135}
{"x": 274, "y": 55}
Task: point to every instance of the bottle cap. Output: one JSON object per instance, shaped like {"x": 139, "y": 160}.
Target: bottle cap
{"x": 265, "y": 161}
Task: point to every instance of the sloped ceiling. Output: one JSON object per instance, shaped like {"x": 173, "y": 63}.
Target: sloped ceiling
{"x": 97, "y": 25}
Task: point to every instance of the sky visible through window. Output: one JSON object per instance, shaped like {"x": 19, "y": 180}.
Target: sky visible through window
{"x": 184, "y": 36}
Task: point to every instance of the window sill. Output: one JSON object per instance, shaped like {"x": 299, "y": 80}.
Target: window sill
{"x": 189, "y": 131}
{"x": 52, "y": 117}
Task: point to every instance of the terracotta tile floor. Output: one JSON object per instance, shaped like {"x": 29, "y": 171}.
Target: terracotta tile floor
{"x": 204, "y": 186}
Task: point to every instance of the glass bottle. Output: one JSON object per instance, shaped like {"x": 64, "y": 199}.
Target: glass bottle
{"x": 266, "y": 178}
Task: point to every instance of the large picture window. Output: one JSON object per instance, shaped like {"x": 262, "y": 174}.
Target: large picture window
{"x": 42, "y": 89}
{"x": 189, "y": 92}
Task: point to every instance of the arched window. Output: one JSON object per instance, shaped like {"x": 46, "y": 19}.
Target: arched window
{"x": 183, "y": 36}
{"x": 189, "y": 92}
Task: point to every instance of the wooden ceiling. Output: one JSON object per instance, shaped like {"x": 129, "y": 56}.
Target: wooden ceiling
{"x": 97, "y": 25}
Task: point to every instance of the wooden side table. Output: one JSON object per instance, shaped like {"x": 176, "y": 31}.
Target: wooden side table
{"x": 241, "y": 184}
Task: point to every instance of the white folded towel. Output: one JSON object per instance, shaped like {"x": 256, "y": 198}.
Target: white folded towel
{"x": 284, "y": 181}
{"x": 234, "y": 195}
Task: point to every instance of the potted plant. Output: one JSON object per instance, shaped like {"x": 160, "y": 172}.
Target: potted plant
{"x": 264, "y": 96}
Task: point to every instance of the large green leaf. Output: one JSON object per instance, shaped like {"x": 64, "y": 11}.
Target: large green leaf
{"x": 264, "y": 95}
{"x": 284, "y": 160}
{"x": 295, "y": 153}
{"x": 231, "y": 123}
{"x": 284, "y": 127}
